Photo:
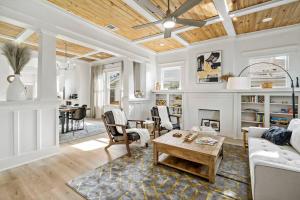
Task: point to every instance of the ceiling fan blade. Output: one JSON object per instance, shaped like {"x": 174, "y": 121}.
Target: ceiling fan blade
{"x": 167, "y": 33}
{"x": 189, "y": 4}
{"x": 190, "y": 22}
{"x": 147, "y": 24}
{"x": 151, "y": 7}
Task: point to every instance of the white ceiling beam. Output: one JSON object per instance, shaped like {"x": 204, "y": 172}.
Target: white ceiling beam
{"x": 25, "y": 35}
{"x": 260, "y": 7}
{"x": 85, "y": 45}
{"x": 144, "y": 12}
{"x": 221, "y": 6}
{"x": 212, "y": 20}
{"x": 87, "y": 54}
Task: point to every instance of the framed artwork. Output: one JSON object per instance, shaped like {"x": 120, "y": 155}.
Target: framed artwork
{"x": 205, "y": 122}
{"x": 209, "y": 67}
{"x": 215, "y": 124}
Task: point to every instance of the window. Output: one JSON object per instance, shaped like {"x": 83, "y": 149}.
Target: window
{"x": 171, "y": 78}
{"x": 266, "y": 73}
{"x": 113, "y": 83}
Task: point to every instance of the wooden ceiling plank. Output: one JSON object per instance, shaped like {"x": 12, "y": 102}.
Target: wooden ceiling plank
{"x": 234, "y": 5}
{"x": 204, "y": 33}
{"x": 285, "y": 15}
{"x": 10, "y": 30}
{"x": 104, "y": 12}
{"x": 161, "y": 45}
{"x": 260, "y": 7}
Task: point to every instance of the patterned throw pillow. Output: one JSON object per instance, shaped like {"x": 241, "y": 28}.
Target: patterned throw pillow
{"x": 277, "y": 135}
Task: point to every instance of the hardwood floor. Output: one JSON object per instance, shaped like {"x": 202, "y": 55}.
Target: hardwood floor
{"x": 46, "y": 178}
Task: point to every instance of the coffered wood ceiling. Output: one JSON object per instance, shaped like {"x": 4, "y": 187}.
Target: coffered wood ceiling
{"x": 285, "y": 15}
{"x": 240, "y": 4}
{"x": 10, "y": 30}
{"x": 203, "y": 10}
{"x": 105, "y": 12}
{"x": 102, "y": 55}
{"x": 60, "y": 44}
{"x": 121, "y": 15}
{"x": 87, "y": 59}
{"x": 160, "y": 45}
{"x": 204, "y": 33}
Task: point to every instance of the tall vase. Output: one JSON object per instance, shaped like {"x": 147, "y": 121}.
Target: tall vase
{"x": 16, "y": 90}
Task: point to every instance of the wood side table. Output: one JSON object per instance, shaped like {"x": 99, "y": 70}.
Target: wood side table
{"x": 245, "y": 136}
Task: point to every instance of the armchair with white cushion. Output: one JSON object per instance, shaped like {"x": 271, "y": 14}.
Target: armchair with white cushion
{"x": 274, "y": 169}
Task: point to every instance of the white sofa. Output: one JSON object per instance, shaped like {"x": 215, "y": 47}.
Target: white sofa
{"x": 274, "y": 169}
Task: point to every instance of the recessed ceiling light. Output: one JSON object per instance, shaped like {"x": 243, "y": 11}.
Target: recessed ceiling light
{"x": 268, "y": 19}
{"x": 161, "y": 44}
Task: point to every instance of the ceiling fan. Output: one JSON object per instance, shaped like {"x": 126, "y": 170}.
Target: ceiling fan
{"x": 169, "y": 20}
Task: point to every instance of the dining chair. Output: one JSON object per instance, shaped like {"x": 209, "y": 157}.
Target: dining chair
{"x": 78, "y": 115}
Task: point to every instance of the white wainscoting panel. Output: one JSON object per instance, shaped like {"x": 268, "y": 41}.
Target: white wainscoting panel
{"x": 7, "y": 134}
{"x": 48, "y": 139}
{"x": 29, "y": 131}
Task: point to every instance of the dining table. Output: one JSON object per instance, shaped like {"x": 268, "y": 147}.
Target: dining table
{"x": 65, "y": 112}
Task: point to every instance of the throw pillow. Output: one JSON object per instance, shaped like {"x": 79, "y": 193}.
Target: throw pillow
{"x": 295, "y": 139}
{"x": 277, "y": 135}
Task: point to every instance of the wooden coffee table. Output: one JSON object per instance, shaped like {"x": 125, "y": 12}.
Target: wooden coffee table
{"x": 198, "y": 159}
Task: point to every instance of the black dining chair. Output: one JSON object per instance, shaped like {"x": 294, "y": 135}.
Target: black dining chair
{"x": 78, "y": 115}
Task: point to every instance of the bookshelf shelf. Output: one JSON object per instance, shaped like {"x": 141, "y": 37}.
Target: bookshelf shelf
{"x": 252, "y": 122}
{"x": 252, "y": 110}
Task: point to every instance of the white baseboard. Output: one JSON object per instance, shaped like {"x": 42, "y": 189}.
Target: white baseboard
{"x": 16, "y": 161}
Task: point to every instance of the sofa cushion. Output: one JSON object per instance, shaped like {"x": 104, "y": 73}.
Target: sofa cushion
{"x": 294, "y": 123}
{"x": 264, "y": 150}
{"x": 295, "y": 139}
{"x": 277, "y": 135}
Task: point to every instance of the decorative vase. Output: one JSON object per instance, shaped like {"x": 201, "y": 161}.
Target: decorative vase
{"x": 16, "y": 90}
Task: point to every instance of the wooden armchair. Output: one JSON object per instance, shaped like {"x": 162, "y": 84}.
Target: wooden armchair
{"x": 157, "y": 120}
{"x": 120, "y": 138}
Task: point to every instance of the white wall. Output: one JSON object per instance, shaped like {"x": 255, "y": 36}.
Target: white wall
{"x": 235, "y": 55}
{"x": 77, "y": 80}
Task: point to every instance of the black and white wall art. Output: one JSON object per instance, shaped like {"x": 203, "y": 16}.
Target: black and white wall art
{"x": 209, "y": 67}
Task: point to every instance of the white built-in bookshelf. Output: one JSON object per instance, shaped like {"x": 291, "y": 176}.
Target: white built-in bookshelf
{"x": 173, "y": 100}
{"x": 252, "y": 110}
{"x": 266, "y": 110}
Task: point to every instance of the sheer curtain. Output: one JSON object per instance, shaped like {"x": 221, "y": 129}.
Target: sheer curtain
{"x": 97, "y": 91}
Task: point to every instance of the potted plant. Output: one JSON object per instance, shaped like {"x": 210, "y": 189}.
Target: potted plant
{"x": 225, "y": 78}
{"x": 18, "y": 56}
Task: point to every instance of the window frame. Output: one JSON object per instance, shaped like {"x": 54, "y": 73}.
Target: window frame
{"x": 107, "y": 85}
{"x": 163, "y": 69}
{"x": 286, "y": 67}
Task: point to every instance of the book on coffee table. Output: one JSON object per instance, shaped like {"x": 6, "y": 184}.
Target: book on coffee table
{"x": 206, "y": 140}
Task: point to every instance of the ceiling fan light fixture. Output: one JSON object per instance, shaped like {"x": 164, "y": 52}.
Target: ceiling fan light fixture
{"x": 169, "y": 24}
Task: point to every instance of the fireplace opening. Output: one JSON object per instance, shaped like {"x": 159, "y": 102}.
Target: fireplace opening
{"x": 210, "y": 118}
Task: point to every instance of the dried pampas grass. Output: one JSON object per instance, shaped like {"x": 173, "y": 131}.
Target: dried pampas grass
{"x": 17, "y": 55}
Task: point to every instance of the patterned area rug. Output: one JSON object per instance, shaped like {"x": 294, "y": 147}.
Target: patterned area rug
{"x": 138, "y": 178}
{"x": 89, "y": 130}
